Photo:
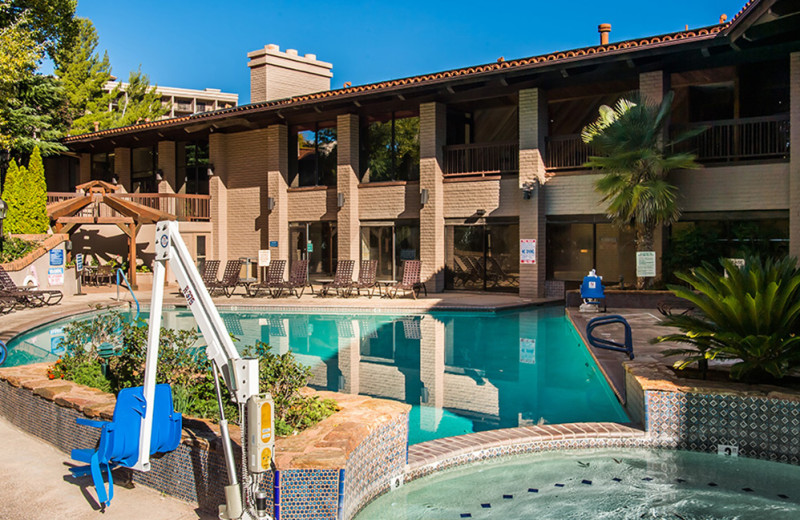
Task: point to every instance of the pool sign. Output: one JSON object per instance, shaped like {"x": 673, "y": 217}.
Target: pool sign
{"x": 55, "y": 276}
{"x": 527, "y": 250}
{"x": 310, "y": 247}
{"x": 56, "y": 257}
{"x": 264, "y": 257}
{"x": 79, "y": 262}
{"x": 645, "y": 264}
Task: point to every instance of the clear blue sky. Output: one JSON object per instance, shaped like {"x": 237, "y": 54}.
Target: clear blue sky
{"x": 204, "y": 43}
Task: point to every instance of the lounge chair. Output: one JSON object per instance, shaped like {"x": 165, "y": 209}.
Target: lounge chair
{"x": 298, "y": 280}
{"x": 119, "y": 439}
{"x": 209, "y": 274}
{"x": 230, "y": 279}
{"x": 26, "y": 296}
{"x": 342, "y": 280}
{"x": 411, "y": 280}
{"x": 7, "y": 304}
{"x": 474, "y": 268}
{"x": 495, "y": 272}
{"x": 274, "y": 279}
{"x": 366, "y": 277}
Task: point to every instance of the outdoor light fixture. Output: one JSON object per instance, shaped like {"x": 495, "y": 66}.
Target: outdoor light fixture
{"x": 527, "y": 194}
{"x": 210, "y": 170}
{"x": 340, "y": 200}
{"x": 159, "y": 175}
{"x": 423, "y": 196}
{"x": 527, "y": 190}
{"x": 270, "y": 203}
{"x": 3, "y": 211}
{"x": 480, "y": 212}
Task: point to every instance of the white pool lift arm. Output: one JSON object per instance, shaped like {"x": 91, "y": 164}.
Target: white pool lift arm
{"x": 239, "y": 374}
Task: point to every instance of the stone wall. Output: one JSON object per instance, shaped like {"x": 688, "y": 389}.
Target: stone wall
{"x": 331, "y": 469}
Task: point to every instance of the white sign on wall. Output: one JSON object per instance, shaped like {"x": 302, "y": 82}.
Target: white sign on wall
{"x": 527, "y": 250}
{"x": 645, "y": 264}
{"x": 55, "y": 276}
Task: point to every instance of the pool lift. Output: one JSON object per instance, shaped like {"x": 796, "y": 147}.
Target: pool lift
{"x": 242, "y": 500}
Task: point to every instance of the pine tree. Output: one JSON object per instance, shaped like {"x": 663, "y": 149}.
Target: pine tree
{"x": 83, "y": 74}
{"x": 35, "y": 196}
{"x": 11, "y": 197}
{"x": 33, "y": 116}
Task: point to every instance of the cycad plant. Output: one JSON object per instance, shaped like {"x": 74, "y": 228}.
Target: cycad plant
{"x": 629, "y": 143}
{"x": 750, "y": 314}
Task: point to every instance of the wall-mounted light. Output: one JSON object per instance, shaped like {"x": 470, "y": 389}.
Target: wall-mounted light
{"x": 270, "y": 203}
{"x": 159, "y": 175}
{"x": 527, "y": 189}
{"x": 210, "y": 170}
{"x": 480, "y": 212}
{"x": 340, "y": 200}
{"x": 424, "y": 196}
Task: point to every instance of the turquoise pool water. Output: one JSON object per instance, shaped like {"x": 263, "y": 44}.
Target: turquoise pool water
{"x": 598, "y": 485}
{"x": 461, "y": 371}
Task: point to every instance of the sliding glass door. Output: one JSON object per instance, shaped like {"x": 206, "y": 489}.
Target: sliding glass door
{"x": 483, "y": 257}
{"x": 315, "y": 242}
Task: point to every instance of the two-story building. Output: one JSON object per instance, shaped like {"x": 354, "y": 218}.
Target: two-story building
{"x": 459, "y": 168}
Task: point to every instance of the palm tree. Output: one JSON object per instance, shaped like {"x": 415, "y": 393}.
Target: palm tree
{"x": 630, "y": 146}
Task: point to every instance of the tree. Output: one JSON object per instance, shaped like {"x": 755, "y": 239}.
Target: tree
{"x": 25, "y": 192}
{"x": 83, "y": 74}
{"x": 34, "y": 116}
{"x": 49, "y": 23}
{"x": 630, "y": 146}
{"x": 134, "y": 103}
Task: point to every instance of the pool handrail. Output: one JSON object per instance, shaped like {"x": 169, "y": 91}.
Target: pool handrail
{"x": 128, "y": 286}
{"x": 607, "y": 343}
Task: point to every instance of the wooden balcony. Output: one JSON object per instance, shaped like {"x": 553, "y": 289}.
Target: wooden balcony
{"x": 745, "y": 139}
{"x": 188, "y": 208}
{"x": 565, "y": 152}
{"x": 481, "y": 159}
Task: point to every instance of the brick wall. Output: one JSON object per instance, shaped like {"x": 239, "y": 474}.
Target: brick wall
{"x": 390, "y": 201}
{"x": 278, "y": 168}
{"x": 347, "y": 184}
{"x": 653, "y": 85}
{"x": 166, "y": 163}
{"x": 122, "y": 167}
{"x": 794, "y": 146}
{"x": 218, "y": 248}
{"x": 532, "y": 131}
{"x": 734, "y": 188}
{"x": 277, "y": 75}
{"x": 573, "y": 195}
{"x": 310, "y": 205}
{"x": 432, "y": 137}
{"x": 500, "y": 198}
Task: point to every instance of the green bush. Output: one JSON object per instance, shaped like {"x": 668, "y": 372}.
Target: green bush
{"x": 25, "y": 192}
{"x": 182, "y": 363}
{"x": 751, "y": 316}
{"x": 14, "y": 248}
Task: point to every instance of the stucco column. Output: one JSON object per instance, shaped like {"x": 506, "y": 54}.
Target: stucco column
{"x": 167, "y": 165}
{"x": 794, "y": 161}
{"x": 654, "y": 86}
{"x": 122, "y": 167}
{"x": 347, "y": 170}
{"x": 432, "y": 137}
{"x": 277, "y": 185}
{"x": 431, "y": 371}
{"x": 85, "y": 168}
{"x": 532, "y": 132}
{"x": 218, "y": 190}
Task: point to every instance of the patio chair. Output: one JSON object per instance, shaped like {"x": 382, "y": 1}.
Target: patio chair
{"x": 342, "y": 280}
{"x": 459, "y": 272}
{"x": 209, "y": 274}
{"x": 298, "y": 280}
{"x": 412, "y": 270}
{"x": 366, "y": 277}
{"x": 119, "y": 439}
{"x": 27, "y": 296}
{"x": 230, "y": 279}
{"x": 274, "y": 279}
{"x": 104, "y": 274}
{"x": 7, "y": 304}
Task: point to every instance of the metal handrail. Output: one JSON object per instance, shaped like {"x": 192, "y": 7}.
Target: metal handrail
{"x": 128, "y": 285}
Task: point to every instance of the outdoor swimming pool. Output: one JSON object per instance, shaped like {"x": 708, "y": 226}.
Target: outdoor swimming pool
{"x": 600, "y": 484}
{"x": 461, "y": 371}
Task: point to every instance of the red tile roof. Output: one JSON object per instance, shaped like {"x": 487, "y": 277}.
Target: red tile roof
{"x": 523, "y": 63}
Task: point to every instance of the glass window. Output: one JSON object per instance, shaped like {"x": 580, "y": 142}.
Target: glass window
{"x": 314, "y": 163}
{"x": 143, "y": 169}
{"x": 390, "y": 245}
{"x": 390, "y": 150}
{"x": 102, "y": 167}
{"x": 192, "y": 167}
{"x": 483, "y": 256}
{"x": 570, "y": 251}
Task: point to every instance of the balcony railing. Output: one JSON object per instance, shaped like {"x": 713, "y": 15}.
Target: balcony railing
{"x": 481, "y": 159}
{"x": 752, "y": 138}
{"x": 185, "y": 207}
{"x": 565, "y": 152}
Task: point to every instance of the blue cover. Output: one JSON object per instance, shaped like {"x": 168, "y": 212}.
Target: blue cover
{"x": 592, "y": 287}
{"x": 119, "y": 439}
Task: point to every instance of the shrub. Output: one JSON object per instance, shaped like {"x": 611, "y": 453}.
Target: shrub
{"x": 14, "y": 248}
{"x": 25, "y": 192}
{"x": 182, "y": 363}
{"x": 752, "y": 315}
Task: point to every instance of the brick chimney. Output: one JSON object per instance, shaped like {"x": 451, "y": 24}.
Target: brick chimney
{"x": 277, "y": 75}
{"x": 604, "y": 29}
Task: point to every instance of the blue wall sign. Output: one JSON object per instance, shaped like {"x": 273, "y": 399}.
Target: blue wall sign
{"x": 273, "y": 243}
{"x": 56, "y": 257}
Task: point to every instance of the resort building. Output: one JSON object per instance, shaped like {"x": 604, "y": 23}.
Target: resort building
{"x": 466, "y": 168}
{"x": 184, "y": 101}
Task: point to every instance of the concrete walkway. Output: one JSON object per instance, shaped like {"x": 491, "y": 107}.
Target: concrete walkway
{"x": 35, "y": 484}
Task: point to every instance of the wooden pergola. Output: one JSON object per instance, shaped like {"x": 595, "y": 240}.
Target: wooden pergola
{"x": 65, "y": 218}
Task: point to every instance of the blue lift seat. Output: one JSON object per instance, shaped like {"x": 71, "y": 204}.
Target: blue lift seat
{"x": 119, "y": 439}
{"x": 592, "y": 291}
